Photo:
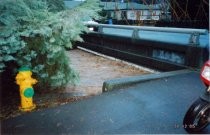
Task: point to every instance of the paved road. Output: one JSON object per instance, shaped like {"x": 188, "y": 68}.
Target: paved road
{"x": 156, "y": 106}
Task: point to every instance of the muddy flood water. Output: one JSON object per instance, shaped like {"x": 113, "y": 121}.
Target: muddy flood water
{"x": 94, "y": 70}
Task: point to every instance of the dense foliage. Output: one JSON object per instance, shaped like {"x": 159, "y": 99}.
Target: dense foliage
{"x": 34, "y": 33}
{"x": 55, "y": 5}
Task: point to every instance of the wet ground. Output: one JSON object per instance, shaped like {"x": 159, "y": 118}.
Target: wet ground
{"x": 150, "y": 107}
{"x": 93, "y": 70}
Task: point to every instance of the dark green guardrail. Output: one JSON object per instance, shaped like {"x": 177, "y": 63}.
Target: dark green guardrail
{"x": 158, "y": 55}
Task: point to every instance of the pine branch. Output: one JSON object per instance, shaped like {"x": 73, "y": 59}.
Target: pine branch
{"x": 34, "y": 33}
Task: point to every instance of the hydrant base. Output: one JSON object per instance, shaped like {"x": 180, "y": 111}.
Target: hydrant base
{"x": 27, "y": 109}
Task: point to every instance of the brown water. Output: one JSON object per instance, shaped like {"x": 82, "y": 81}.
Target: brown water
{"x": 94, "y": 70}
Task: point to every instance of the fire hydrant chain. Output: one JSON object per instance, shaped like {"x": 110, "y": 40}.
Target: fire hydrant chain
{"x": 25, "y": 82}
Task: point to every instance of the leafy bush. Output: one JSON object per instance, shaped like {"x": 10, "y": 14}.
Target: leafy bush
{"x": 34, "y": 33}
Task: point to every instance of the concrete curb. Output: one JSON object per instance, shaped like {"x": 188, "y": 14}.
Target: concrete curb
{"x": 128, "y": 81}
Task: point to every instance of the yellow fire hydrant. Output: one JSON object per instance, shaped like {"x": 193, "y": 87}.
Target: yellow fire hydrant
{"x": 25, "y": 82}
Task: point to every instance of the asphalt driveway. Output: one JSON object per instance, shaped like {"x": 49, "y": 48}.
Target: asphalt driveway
{"x": 153, "y": 106}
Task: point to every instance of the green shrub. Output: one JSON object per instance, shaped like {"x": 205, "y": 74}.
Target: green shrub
{"x": 55, "y": 5}
{"x": 34, "y": 33}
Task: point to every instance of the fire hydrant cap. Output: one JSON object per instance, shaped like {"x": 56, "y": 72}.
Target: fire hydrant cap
{"x": 29, "y": 92}
{"x": 24, "y": 69}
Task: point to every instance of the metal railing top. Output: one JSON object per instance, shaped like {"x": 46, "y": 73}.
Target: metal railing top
{"x": 194, "y": 37}
{"x": 149, "y": 28}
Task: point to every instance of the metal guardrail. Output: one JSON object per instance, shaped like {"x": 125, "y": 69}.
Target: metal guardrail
{"x": 148, "y": 28}
{"x": 194, "y": 33}
{"x": 160, "y": 48}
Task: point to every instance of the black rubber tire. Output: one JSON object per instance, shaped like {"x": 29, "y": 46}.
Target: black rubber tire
{"x": 197, "y": 116}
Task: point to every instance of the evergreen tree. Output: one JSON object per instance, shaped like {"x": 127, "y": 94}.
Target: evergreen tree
{"x": 55, "y": 5}
{"x": 34, "y": 33}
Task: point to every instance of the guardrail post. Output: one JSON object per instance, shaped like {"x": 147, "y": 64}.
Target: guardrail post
{"x": 194, "y": 39}
{"x": 135, "y": 34}
{"x": 100, "y": 29}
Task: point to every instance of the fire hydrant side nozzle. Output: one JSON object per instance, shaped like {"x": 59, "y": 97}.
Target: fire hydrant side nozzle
{"x": 25, "y": 82}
